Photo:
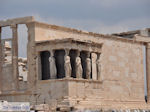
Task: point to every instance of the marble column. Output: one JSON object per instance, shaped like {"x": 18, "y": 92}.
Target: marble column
{"x": 15, "y": 56}
{"x": 148, "y": 71}
{"x": 1, "y": 63}
{"x": 78, "y": 66}
{"x": 68, "y": 68}
{"x": 88, "y": 66}
{"x": 98, "y": 64}
{"x": 53, "y": 70}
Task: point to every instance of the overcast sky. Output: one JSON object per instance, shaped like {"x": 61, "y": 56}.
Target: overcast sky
{"x": 102, "y": 16}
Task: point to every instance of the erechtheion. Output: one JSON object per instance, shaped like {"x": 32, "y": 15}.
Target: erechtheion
{"x": 74, "y": 69}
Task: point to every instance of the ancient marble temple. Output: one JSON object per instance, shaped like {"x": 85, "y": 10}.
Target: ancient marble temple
{"x": 72, "y": 69}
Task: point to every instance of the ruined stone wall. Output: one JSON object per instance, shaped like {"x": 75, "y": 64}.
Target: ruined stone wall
{"x": 7, "y": 78}
{"x": 51, "y": 92}
{"x": 7, "y": 70}
{"x": 122, "y": 71}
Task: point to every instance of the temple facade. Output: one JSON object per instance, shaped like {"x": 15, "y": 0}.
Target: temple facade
{"x": 75, "y": 69}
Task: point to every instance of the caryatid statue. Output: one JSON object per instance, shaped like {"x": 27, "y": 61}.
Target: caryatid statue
{"x": 53, "y": 70}
{"x": 98, "y": 64}
{"x": 78, "y": 66}
{"x": 68, "y": 68}
{"x": 88, "y": 67}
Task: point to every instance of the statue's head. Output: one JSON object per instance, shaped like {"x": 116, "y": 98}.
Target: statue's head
{"x": 78, "y": 60}
{"x": 50, "y": 59}
{"x": 88, "y": 59}
{"x": 67, "y": 58}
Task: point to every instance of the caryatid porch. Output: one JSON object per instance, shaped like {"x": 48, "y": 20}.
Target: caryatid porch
{"x": 68, "y": 58}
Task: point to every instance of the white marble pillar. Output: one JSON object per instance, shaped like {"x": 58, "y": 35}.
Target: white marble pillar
{"x": 78, "y": 66}
{"x": 53, "y": 70}
{"x": 88, "y": 67}
{"x": 68, "y": 68}
{"x": 15, "y": 56}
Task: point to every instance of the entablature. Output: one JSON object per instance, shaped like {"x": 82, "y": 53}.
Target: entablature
{"x": 69, "y": 43}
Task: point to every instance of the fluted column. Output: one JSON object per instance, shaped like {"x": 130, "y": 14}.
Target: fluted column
{"x": 1, "y": 63}
{"x": 98, "y": 64}
{"x": 15, "y": 56}
{"x": 78, "y": 66}
{"x": 68, "y": 68}
{"x": 53, "y": 70}
{"x": 88, "y": 66}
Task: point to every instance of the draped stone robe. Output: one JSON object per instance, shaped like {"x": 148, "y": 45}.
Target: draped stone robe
{"x": 98, "y": 69}
{"x": 79, "y": 69}
{"x": 68, "y": 68}
{"x": 88, "y": 68}
{"x": 53, "y": 70}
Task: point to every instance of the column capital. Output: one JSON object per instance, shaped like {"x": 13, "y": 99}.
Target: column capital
{"x": 30, "y": 24}
{"x": 52, "y": 52}
{"x": 78, "y": 53}
{"x": 148, "y": 45}
{"x": 13, "y": 26}
{"x": 88, "y": 54}
{"x": 67, "y": 52}
{"x": 98, "y": 55}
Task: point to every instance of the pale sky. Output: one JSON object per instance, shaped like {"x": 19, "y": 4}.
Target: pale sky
{"x": 102, "y": 16}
